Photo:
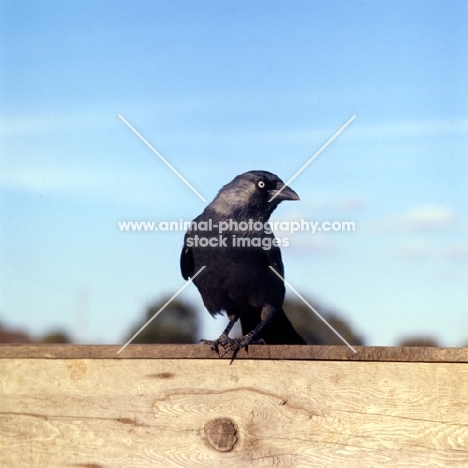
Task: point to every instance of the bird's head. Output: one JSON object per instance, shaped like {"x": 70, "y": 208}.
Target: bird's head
{"x": 252, "y": 195}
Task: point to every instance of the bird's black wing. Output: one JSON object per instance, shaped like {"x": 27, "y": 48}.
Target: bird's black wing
{"x": 280, "y": 330}
{"x": 187, "y": 264}
{"x": 274, "y": 259}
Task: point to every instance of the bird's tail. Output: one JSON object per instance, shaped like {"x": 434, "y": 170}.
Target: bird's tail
{"x": 278, "y": 331}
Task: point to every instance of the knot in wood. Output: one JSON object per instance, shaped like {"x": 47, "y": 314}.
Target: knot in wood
{"x": 221, "y": 434}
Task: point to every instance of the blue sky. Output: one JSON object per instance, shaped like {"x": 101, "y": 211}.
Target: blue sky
{"x": 219, "y": 88}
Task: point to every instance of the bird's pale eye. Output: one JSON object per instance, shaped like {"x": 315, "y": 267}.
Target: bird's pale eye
{"x": 261, "y": 184}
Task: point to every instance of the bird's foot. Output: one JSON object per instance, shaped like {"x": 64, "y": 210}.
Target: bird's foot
{"x": 223, "y": 341}
{"x": 231, "y": 345}
{"x": 237, "y": 344}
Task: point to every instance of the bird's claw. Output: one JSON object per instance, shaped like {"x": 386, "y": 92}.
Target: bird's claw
{"x": 214, "y": 345}
{"x": 225, "y": 345}
{"x": 223, "y": 341}
{"x": 231, "y": 345}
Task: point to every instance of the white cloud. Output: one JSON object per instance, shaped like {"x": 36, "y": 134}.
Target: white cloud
{"x": 40, "y": 180}
{"x": 81, "y": 183}
{"x": 52, "y": 123}
{"x": 409, "y": 128}
{"x": 315, "y": 137}
{"x": 312, "y": 136}
{"x": 423, "y": 250}
{"x": 455, "y": 252}
{"x": 429, "y": 217}
{"x": 421, "y": 218}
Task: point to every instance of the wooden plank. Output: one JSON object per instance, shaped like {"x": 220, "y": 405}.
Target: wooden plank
{"x": 101, "y": 413}
{"x": 333, "y": 353}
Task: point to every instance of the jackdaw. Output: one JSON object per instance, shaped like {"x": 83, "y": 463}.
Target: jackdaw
{"x": 232, "y": 239}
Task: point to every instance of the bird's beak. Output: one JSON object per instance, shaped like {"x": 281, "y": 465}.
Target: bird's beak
{"x": 283, "y": 192}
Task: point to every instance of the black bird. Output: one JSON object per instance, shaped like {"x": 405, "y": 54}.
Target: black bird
{"x": 231, "y": 239}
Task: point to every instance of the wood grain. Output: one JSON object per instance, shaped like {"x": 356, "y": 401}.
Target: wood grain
{"x": 332, "y": 353}
{"x": 95, "y": 412}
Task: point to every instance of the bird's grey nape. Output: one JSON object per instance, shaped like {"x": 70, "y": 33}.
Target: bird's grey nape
{"x": 231, "y": 198}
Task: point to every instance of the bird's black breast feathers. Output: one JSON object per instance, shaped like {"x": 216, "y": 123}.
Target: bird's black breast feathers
{"x": 237, "y": 277}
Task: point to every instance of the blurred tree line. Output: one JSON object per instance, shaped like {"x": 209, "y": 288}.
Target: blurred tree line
{"x": 180, "y": 322}
{"x": 10, "y": 336}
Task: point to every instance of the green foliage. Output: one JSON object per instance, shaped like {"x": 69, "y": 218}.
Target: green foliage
{"x": 177, "y": 323}
{"x": 56, "y": 337}
{"x": 314, "y": 330}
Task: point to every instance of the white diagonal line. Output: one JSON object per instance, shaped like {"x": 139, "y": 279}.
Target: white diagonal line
{"x": 160, "y": 157}
{"x": 313, "y": 157}
{"x": 313, "y": 310}
{"x": 161, "y": 309}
